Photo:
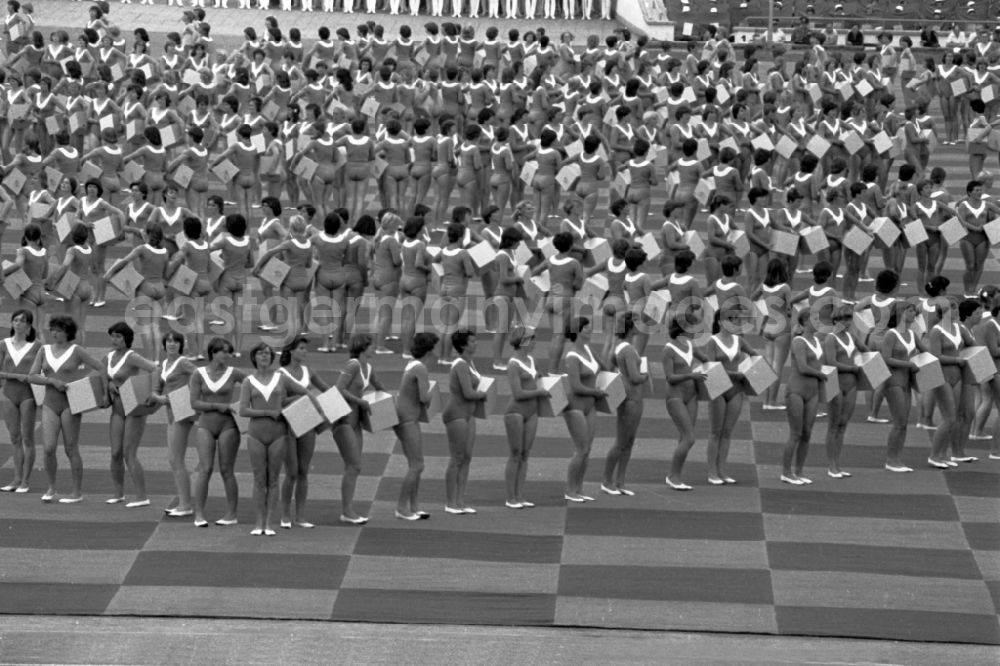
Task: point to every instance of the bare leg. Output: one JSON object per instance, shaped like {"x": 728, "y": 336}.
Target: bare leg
{"x": 350, "y": 450}
{"x": 581, "y": 432}
{"x": 203, "y": 472}
{"x": 229, "y": 446}
{"x": 178, "y": 440}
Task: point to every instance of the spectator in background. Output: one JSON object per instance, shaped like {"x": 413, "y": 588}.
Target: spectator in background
{"x": 777, "y": 34}
{"x": 955, "y": 38}
{"x": 928, "y": 37}
{"x": 855, "y": 37}
{"x": 800, "y": 35}
{"x": 829, "y": 35}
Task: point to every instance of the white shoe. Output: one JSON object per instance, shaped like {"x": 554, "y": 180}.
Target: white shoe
{"x": 678, "y": 486}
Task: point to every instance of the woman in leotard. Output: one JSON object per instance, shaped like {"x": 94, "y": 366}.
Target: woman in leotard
{"x": 395, "y": 150}
{"x": 671, "y": 239}
{"x": 356, "y": 379}
{"x": 360, "y": 154}
{"x": 174, "y": 374}
{"x": 213, "y": 392}
{"x": 78, "y": 260}
{"x": 332, "y": 246}
{"x": 237, "y": 258}
{"x": 679, "y": 356}
{"x": 324, "y": 151}
{"x": 459, "y": 419}
{"x": 881, "y": 305}
{"x": 386, "y": 262}
{"x": 29, "y": 162}
{"x": 502, "y": 172}
{"x": 194, "y": 254}
{"x": 108, "y": 157}
{"x": 245, "y": 186}
{"x": 758, "y": 231}
{"x": 728, "y": 347}
{"x": 125, "y": 430}
{"x": 565, "y": 279}
{"x": 195, "y": 157}
{"x": 423, "y": 151}
{"x": 544, "y": 186}
{"x": 412, "y": 402}
{"x": 581, "y": 368}
{"x": 139, "y": 211}
{"x": 970, "y": 313}
{"x": 622, "y": 226}
{"x": 974, "y": 212}
{"x": 470, "y": 166}
{"x": 456, "y": 269}
{"x": 416, "y": 265}
{"x": 93, "y": 208}
{"x": 153, "y": 158}
{"x": 262, "y": 396}
{"x": 720, "y": 224}
{"x": 626, "y": 360}
{"x": 299, "y": 452}
{"x": 945, "y": 341}
{"x": 508, "y": 281}
{"x": 839, "y": 348}
{"x": 59, "y": 363}
{"x": 521, "y": 417}
{"x": 898, "y": 346}
{"x": 270, "y": 234}
{"x": 169, "y": 217}
{"x": 31, "y": 258}
{"x": 17, "y": 355}
{"x": 297, "y": 253}
{"x": 443, "y": 173}
{"x": 686, "y": 291}
{"x": 273, "y": 169}
{"x": 775, "y": 295}
{"x": 151, "y": 262}
{"x": 802, "y": 398}
{"x": 642, "y": 177}
{"x": 594, "y": 171}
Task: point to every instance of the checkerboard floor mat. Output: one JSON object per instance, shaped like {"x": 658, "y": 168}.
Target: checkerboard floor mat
{"x": 912, "y": 556}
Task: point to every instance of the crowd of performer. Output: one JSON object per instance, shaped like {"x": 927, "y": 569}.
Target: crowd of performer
{"x": 555, "y": 155}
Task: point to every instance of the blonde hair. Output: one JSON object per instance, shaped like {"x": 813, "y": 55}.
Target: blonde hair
{"x": 391, "y": 218}
{"x": 297, "y": 225}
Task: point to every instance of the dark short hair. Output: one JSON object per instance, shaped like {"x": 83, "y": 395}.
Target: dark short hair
{"x": 64, "y": 324}
{"x": 176, "y": 337}
{"x": 574, "y": 326}
{"x": 460, "y": 339}
{"x": 257, "y": 348}
{"x": 359, "y": 342}
{"x": 423, "y": 344}
{"x": 286, "y": 352}
{"x": 236, "y": 225}
{"x": 124, "y": 330}
{"x": 215, "y": 345}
